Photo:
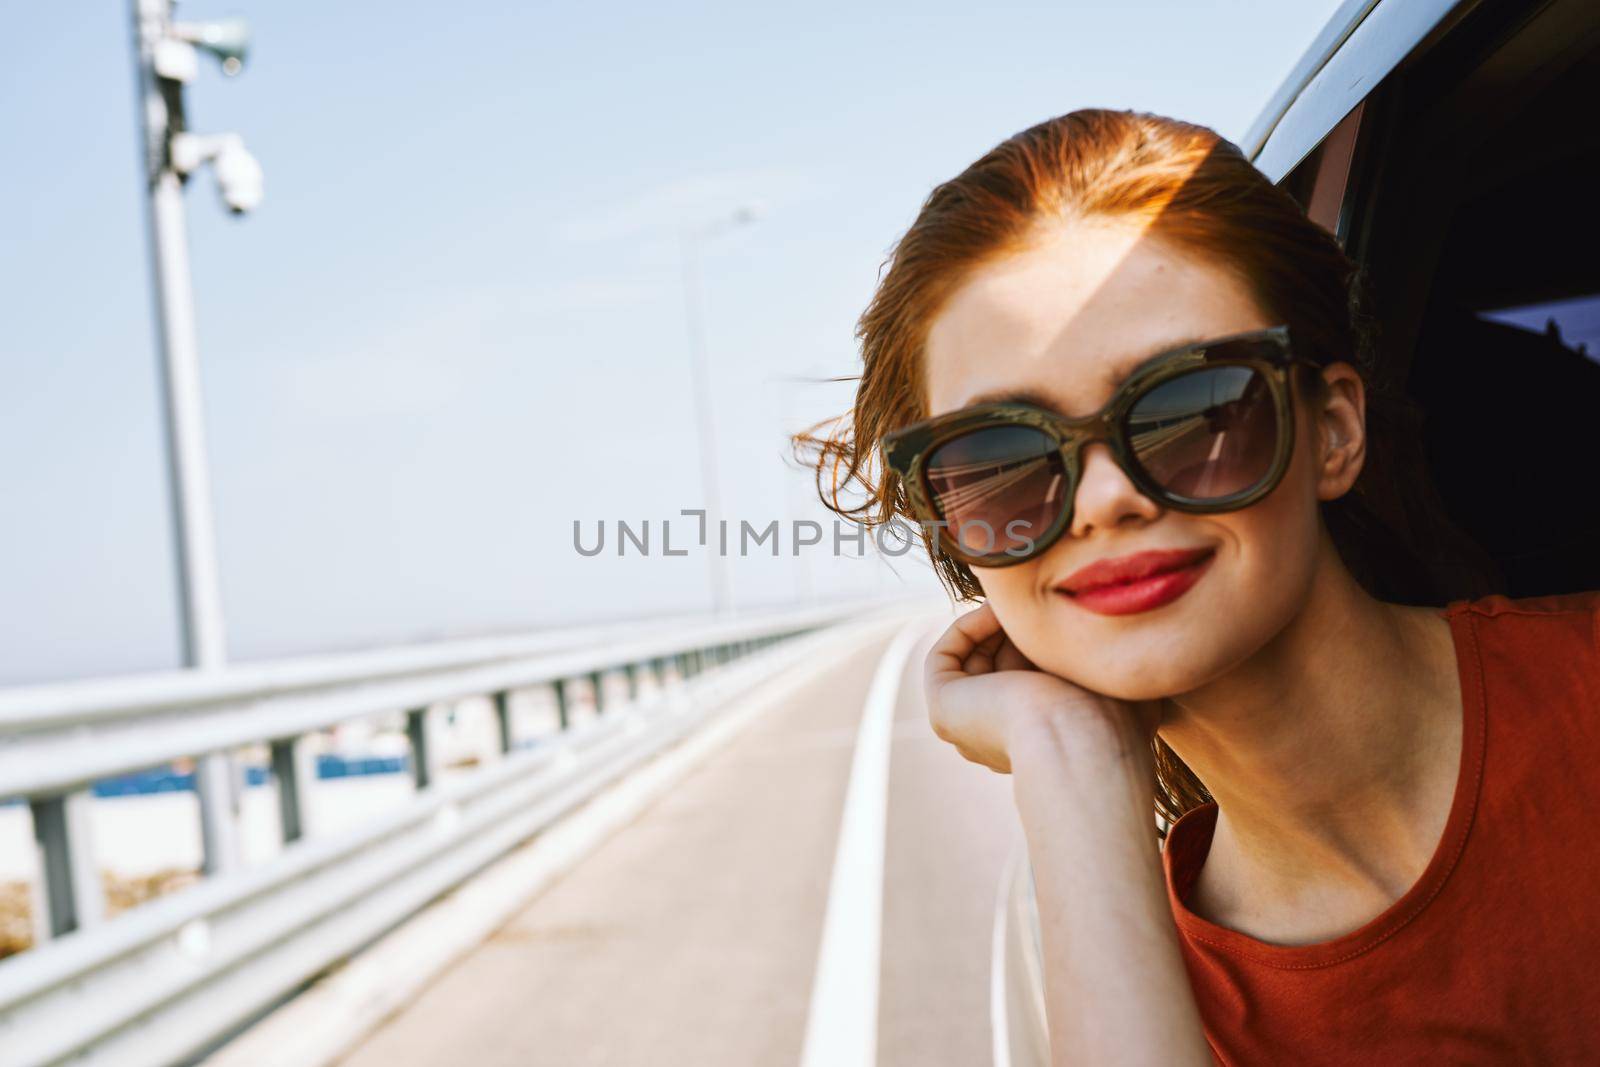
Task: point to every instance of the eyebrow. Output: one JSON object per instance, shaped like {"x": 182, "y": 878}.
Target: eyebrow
{"x": 1113, "y": 380}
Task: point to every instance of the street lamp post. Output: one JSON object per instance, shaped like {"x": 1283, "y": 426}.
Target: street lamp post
{"x": 691, "y": 238}
{"x": 794, "y": 499}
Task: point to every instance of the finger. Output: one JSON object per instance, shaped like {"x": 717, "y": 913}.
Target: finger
{"x": 1010, "y": 658}
{"x": 950, "y": 653}
{"x": 952, "y": 715}
{"x": 993, "y": 643}
{"x": 982, "y": 660}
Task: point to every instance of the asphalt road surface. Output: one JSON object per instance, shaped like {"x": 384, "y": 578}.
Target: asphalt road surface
{"x": 692, "y": 936}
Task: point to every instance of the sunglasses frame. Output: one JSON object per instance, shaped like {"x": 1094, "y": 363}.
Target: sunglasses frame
{"x": 1267, "y": 351}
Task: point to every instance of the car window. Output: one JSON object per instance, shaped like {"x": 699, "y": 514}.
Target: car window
{"x": 1476, "y": 217}
{"x": 1573, "y": 323}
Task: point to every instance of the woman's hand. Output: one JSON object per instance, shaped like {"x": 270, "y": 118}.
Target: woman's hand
{"x": 984, "y": 697}
{"x": 1115, "y": 986}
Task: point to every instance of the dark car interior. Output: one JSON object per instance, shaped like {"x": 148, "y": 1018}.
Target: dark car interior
{"x": 1473, "y": 204}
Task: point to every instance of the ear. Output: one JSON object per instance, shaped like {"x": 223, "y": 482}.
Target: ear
{"x": 1340, "y": 417}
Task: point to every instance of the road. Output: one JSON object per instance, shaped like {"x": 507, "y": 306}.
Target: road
{"x": 692, "y": 935}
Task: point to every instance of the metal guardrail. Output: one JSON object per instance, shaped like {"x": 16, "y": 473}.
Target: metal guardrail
{"x": 156, "y": 983}
{"x": 60, "y": 738}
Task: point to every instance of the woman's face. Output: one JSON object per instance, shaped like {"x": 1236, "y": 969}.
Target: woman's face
{"x": 1065, "y": 320}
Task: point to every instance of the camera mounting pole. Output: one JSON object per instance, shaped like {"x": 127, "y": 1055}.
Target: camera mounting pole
{"x": 167, "y": 55}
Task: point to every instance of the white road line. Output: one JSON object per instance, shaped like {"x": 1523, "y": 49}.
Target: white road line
{"x": 842, "y": 1027}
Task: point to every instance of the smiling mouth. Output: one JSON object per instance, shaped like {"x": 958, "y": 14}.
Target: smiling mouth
{"x": 1146, "y": 588}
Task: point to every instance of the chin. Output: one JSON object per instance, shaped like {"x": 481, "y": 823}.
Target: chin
{"x": 1129, "y": 675}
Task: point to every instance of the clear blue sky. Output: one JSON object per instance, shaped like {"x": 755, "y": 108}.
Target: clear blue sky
{"x": 456, "y": 324}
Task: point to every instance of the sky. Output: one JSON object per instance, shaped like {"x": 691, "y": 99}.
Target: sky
{"x": 457, "y": 323}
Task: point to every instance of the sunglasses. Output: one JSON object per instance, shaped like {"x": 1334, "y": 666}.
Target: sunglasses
{"x": 1208, "y": 427}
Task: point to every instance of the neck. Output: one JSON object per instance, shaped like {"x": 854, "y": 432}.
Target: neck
{"x": 1332, "y": 752}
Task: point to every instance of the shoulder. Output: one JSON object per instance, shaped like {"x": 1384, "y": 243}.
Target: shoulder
{"x": 1573, "y": 615}
{"x": 1586, "y": 604}
{"x": 1533, "y": 651}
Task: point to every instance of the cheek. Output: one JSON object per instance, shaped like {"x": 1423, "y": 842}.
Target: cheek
{"x": 1276, "y": 538}
{"x": 1273, "y": 546}
{"x": 1013, "y": 593}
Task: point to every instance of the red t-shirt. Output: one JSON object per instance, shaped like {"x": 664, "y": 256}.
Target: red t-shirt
{"x": 1493, "y": 956}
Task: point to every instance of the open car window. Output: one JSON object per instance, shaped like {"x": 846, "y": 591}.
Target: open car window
{"x": 1466, "y": 185}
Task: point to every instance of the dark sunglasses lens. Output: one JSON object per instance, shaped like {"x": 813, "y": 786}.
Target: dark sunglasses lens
{"x": 999, "y": 488}
{"x": 1208, "y": 434}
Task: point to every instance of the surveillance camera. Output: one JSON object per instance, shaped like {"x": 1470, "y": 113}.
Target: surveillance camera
{"x": 239, "y": 178}
{"x": 227, "y": 39}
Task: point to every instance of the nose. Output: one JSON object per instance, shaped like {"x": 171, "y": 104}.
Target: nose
{"x": 1107, "y": 497}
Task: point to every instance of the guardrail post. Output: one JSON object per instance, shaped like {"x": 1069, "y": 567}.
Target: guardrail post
{"x": 291, "y": 767}
{"x": 658, "y": 667}
{"x": 72, "y": 894}
{"x": 558, "y": 689}
{"x": 216, "y": 785}
{"x": 631, "y": 670}
{"x": 502, "y": 718}
{"x": 597, "y": 682}
{"x": 421, "y": 747}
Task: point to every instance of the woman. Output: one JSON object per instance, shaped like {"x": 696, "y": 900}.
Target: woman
{"x": 1117, "y": 380}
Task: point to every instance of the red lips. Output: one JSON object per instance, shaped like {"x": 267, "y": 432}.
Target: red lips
{"x": 1138, "y": 582}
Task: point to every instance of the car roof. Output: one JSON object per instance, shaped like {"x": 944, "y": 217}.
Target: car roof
{"x": 1327, "y": 41}
{"x": 1361, "y": 43}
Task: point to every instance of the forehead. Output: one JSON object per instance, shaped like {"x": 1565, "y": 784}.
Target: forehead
{"x": 1066, "y": 318}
